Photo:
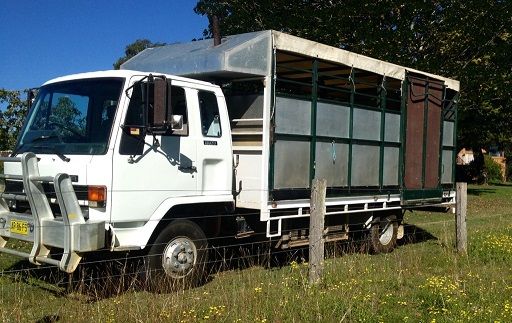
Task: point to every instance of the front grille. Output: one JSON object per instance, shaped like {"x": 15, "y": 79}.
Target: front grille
{"x": 16, "y": 187}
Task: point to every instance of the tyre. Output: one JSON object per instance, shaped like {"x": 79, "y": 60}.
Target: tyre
{"x": 178, "y": 257}
{"x": 383, "y": 234}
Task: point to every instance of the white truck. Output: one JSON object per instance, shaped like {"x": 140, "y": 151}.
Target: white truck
{"x": 141, "y": 159}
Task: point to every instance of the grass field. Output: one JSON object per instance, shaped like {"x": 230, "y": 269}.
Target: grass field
{"x": 423, "y": 280}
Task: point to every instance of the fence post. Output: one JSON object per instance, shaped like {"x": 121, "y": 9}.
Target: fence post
{"x": 316, "y": 230}
{"x": 460, "y": 217}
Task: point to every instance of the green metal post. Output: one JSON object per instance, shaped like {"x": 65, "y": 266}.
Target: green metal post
{"x": 425, "y": 129}
{"x": 272, "y": 125}
{"x": 441, "y": 138}
{"x": 314, "y": 98}
{"x": 351, "y": 129}
{"x": 455, "y": 123}
{"x": 382, "y": 99}
{"x": 403, "y": 132}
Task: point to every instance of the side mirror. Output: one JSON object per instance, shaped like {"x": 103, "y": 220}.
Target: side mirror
{"x": 160, "y": 105}
{"x": 156, "y": 108}
{"x": 177, "y": 122}
{"x": 31, "y": 96}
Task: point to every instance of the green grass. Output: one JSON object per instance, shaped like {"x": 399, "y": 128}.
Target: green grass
{"x": 423, "y": 280}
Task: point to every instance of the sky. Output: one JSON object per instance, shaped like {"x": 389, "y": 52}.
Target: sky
{"x": 41, "y": 40}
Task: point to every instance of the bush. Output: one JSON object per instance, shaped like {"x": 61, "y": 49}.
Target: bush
{"x": 492, "y": 170}
{"x": 509, "y": 172}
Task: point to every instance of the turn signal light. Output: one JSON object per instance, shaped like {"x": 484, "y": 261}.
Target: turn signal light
{"x": 97, "y": 195}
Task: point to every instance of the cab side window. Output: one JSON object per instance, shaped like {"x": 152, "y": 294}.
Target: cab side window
{"x": 209, "y": 109}
{"x": 134, "y": 115}
{"x": 135, "y": 111}
{"x": 132, "y": 140}
{"x": 179, "y": 107}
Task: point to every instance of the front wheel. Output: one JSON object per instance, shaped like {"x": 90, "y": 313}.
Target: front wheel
{"x": 178, "y": 256}
{"x": 383, "y": 234}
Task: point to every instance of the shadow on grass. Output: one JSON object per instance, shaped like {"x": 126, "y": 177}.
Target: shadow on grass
{"x": 24, "y": 271}
{"x": 100, "y": 278}
{"x": 506, "y": 184}
{"x": 97, "y": 277}
{"x": 414, "y": 234}
{"x": 272, "y": 258}
{"x": 481, "y": 191}
{"x": 49, "y": 319}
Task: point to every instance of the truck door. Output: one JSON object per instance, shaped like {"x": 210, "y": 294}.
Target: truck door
{"x": 421, "y": 182}
{"x": 214, "y": 158}
{"x": 147, "y": 169}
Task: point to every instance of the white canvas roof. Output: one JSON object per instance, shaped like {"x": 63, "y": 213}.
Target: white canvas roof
{"x": 251, "y": 54}
{"x": 310, "y": 48}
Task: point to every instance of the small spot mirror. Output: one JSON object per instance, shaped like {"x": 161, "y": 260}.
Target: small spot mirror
{"x": 177, "y": 122}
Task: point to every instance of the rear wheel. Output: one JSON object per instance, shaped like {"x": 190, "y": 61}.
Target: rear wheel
{"x": 383, "y": 234}
{"x": 178, "y": 256}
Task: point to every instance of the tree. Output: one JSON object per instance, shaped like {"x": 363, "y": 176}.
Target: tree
{"x": 69, "y": 118}
{"x": 11, "y": 118}
{"x": 133, "y": 49}
{"x": 476, "y": 46}
{"x": 470, "y": 41}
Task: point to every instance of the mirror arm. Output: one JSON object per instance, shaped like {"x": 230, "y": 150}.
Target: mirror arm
{"x": 146, "y": 100}
{"x": 156, "y": 143}
{"x": 133, "y": 85}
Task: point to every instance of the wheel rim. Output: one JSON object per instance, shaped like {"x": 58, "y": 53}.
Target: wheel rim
{"x": 179, "y": 257}
{"x": 386, "y": 232}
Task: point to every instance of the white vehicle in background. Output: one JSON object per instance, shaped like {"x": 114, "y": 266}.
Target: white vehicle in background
{"x": 145, "y": 160}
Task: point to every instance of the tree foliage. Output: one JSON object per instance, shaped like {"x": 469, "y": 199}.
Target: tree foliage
{"x": 133, "y": 49}
{"x": 470, "y": 41}
{"x": 67, "y": 113}
{"x": 492, "y": 170}
{"x": 11, "y": 118}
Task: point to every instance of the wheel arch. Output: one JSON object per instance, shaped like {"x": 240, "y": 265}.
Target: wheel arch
{"x": 206, "y": 213}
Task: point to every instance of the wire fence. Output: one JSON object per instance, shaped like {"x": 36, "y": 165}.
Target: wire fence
{"x": 222, "y": 251}
{"x": 227, "y": 254}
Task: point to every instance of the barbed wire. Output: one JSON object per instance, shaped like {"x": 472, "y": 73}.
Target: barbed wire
{"x": 243, "y": 214}
{"x": 265, "y": 245}
{"x": 268, "y": 253}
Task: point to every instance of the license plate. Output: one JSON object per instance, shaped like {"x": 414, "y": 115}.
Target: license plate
{"x": 19, "y": 227}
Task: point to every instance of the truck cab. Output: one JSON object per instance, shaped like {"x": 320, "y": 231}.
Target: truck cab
{"x": 135, "y": 146}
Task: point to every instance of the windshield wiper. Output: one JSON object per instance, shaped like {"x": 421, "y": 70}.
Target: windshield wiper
{"x": 36, "y": 139}
{"x": 43, "y": 138}
{"x": 15, "y": 151}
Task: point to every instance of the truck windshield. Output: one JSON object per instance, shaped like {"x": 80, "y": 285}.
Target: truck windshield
{"x": 72, "y": 117}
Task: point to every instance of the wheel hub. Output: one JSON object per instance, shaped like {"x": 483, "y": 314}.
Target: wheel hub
{"x": 386, "y": 232}
{"x": 179, "y": 257}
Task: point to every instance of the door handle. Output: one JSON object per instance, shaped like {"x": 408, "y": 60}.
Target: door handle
{"x": 188, "y": 168}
